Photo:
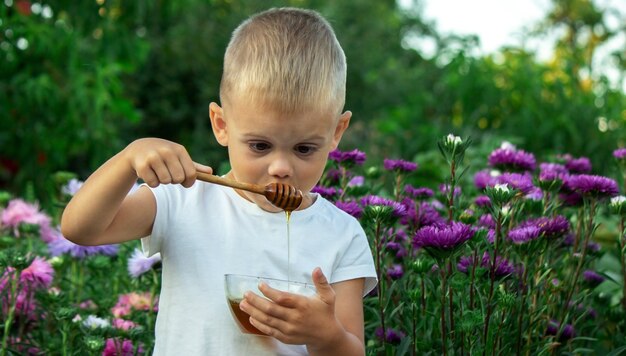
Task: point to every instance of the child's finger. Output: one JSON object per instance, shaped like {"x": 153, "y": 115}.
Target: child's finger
{"x": 324, "y": 289}
{"x": 202, "y": 168}
{"x": 283, "y": 299}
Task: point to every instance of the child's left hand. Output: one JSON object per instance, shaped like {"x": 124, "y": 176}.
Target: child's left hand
{"x": 292, "y": 318}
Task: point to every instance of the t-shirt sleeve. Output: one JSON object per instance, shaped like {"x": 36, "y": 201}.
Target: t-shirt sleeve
{"x": 357, "y": 261}
{"x": 152, "y": 243}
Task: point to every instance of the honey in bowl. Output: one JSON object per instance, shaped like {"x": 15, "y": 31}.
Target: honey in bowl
{"x": 236, "y": 285}
{"x": 243, "y": 319}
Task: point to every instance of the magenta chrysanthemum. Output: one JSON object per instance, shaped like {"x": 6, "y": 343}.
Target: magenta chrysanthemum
{"x": 596, "y": 186}
{"x": 445, "y": 237}
{"x": 418, "y": 193}
{"x": 355, "y": 156}
{"x": 523, "y": 234}
{"x": 620, "y": 153}
{"x": 578, "y": 165}
{"x": 509, "y": 158}
{"x": 519, "y": 181}
{"x": 326, "y": 192}
{"x": 399, "y": 210}
{"x": 399, "y": 165}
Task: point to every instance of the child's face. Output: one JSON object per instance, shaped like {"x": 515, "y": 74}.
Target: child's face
{"x": 266, "y": 146}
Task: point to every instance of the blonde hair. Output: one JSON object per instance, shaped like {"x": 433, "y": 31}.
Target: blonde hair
{"x": 288, "y": 59}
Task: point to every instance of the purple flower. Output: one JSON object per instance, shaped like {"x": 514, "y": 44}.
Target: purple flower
{"x": 548, "y": 227}
{"x": 503, "y": 266}
{"x": 443, "y": 237}
{"x": 399, "y": 165}
{"x": 390, "y": 335}
{"x": 483, "y": 201}
{"x": 523, "y": 234}
{"x": 491, "y": 235}
{"x": 464, "y": 264}
{"x": 556, "y": 168}
{"x": 326, "y": 192}
{"x": 399, "y": 210}
{"x": 592, "y": 185}
{"x": 334, "y": 175}
{"x": 510, "y": 158}
{"x": 567, "y": 333}
{"x": 486, "y": 220}
{"x": 578, "y": 165}
{"x": 592, "y": 278}
{"x": 395, "y": 272}
{"x": 620, "y": 153}
{"x": 420, "y": 214}
{"x": 485, "y": 178}
{"x": 522, "y": 182}
{"x": 348, "y": 157}
{"x": 535, "y": 194}
{"x": 63, "y": 246}
{"x": 552, "y": 227}
{"x": 351, "y": 207}
{"x": 395, "y": 241}
{"x": 418, "y": 193}
{"x": 356, "y": 181}
{"x": 445, "y": 189}
{"x": 139, "y": 264}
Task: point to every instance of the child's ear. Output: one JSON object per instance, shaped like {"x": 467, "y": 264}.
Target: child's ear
{"x": 342, "y": 125}
{"x": 216, "y": 113}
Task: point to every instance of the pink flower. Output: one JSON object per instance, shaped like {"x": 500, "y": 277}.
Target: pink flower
{"x": 118, "y": 347}
{"x": 39, "y": 274}
{"x": 20, "y": 212}
{"x": 123, "y": 324}
{"x": 133, "y": 301}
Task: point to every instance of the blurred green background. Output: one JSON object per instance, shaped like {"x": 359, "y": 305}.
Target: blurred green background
{"x": 79, "y": 80}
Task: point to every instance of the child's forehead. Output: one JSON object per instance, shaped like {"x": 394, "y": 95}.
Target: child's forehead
{"x": 257, "y": 105}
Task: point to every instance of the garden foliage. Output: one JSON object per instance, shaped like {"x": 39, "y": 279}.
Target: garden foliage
{"x": 499, "y": 258}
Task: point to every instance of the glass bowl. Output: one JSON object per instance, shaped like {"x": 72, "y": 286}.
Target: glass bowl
{"x": 236, "y": 285}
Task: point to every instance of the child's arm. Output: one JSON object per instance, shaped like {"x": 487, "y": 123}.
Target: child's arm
{"x": 329, "y": 324}
{"x": 102, "y": 212}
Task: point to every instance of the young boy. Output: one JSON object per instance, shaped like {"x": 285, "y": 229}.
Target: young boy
{"x": 282, "y": 94}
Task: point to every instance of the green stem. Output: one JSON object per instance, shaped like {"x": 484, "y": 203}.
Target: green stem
{"x": 444, "y": 288}
{"x": 9, "y": 320}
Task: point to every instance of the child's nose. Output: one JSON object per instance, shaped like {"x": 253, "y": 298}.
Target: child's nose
{"x": 280, "y": 167}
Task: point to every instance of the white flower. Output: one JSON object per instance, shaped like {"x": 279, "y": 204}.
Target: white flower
{"x": 494, "y": 173}
{"x": 502, "y": 188}
{"x": 72, "y": 186}
{"x": 506, "y": 210}
{"x": 94, "y": 322}
{"x": 617, "y": 201}
{"x": 506, "y": 145}
{"x": 453, "y": 140}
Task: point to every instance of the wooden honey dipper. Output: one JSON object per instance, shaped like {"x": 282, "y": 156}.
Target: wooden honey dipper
{"x": 281, "y": 195}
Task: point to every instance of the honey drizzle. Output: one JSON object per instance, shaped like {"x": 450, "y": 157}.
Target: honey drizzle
{"x": 288, "y": 215}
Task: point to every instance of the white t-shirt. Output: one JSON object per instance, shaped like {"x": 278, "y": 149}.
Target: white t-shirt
{"x": 206, "y": 231}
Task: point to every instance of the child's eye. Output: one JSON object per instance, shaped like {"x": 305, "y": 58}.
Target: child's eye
{"x": 305, "y": 150}
{"x": 259, "y": 146}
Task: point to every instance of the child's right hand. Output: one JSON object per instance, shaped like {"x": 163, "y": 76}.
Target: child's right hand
{"x": 158, "y": 161}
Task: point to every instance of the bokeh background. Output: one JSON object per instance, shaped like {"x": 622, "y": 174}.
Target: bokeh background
{"x": 79, "y": 80}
